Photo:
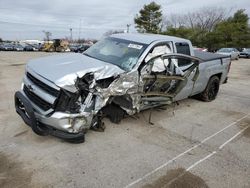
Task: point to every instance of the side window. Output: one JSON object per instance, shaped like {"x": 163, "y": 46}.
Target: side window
{"x": 183, "y": 48}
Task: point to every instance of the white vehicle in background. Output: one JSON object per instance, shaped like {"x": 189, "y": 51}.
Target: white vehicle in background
{"x": 245, "y": 53}
{"x": 201, "y": 49}
{"x": 232, "y": 52}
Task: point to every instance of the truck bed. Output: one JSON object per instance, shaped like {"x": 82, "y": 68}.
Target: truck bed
{"x": 208, "y": 56}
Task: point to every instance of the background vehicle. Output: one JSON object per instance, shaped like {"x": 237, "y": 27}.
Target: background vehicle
{"x": 245, "y": 53}
{"x": 38, "y": 47}
{"x": 200, "y": 49}
{"x": 73, "y": 47}
{"x": 1, "y": 47}
{"x": 232, "y": 52}
{"x": 8, "y": 47}
{"x": 82, "y": 48}
{"x": 18, "y": 47}
{"x": 29, "y": 47}
{"x": 65, "y": 95}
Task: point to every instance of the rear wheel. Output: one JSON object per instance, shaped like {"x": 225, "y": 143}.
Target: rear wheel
{"x": 212, "y": 89}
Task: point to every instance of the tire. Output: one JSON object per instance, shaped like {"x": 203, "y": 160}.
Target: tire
{"x": 212, "y": 89}
{"x": 78, "y": 140}
{"x": 39, "y": 131}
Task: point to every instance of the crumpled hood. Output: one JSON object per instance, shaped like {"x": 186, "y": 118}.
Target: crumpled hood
{"x": 63, "y": 69}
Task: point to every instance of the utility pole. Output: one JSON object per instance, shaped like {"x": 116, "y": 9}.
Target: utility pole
{"x": 128, "y": 25}
{"x": 80, "y": 28}
{"x": 71, "y": 36}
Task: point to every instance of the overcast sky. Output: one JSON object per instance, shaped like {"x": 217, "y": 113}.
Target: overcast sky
{"x": 26, "y": 19}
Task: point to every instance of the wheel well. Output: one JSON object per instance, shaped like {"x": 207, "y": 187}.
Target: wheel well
{"x": 218, "y": 75}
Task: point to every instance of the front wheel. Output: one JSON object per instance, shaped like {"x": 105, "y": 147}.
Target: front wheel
{"x": 39, "y": 130}
{"x": 212, "y": 89}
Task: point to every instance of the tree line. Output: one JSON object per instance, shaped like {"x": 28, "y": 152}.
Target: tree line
{"x": 209, "y": 27}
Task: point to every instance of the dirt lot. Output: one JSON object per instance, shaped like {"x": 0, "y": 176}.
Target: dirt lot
{"x": 194, "y": 144}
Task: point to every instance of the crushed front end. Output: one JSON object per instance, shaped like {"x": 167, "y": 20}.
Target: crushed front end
{"x": 68, "y": 112}
{"x": 48, "y": 109}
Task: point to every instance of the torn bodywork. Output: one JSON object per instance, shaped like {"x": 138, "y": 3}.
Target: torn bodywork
{"x": 129, "y": 93}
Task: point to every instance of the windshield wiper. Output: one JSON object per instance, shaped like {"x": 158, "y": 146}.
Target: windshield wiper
{"x": 87, "y": 55}
{"x": 105, "y": 61}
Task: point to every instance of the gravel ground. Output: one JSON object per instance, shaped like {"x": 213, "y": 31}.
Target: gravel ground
{"x": 194, "y": 144}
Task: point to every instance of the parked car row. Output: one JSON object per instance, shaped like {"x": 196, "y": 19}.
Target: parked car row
{"x": 18, "y": 47}
{"x": 78, "y": 48}
{"x": 232, "y": 52}
{"x": 6, "y": 47}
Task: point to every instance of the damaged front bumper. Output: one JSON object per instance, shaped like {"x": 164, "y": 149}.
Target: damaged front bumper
{"x": 59, "y": 124}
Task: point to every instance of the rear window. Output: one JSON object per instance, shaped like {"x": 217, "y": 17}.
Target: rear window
{"x": 182, "y": 48}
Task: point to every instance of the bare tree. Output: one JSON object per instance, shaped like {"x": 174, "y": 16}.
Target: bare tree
{"x": 174, "y": 21}
{"x": 47, "y": 35}
{"x": 204, "y": 19}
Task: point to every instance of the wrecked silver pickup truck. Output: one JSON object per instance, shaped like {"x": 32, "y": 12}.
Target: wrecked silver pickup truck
{"x": 67, "y": 94}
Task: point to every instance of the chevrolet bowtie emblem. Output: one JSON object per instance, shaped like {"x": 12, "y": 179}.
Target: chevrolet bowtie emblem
{"x": 30, "y": 88}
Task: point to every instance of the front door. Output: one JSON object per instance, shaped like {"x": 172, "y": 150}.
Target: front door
{"x": 166, "y": 77}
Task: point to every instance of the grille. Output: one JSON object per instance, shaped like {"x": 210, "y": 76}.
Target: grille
{"x": 43, "y": 86}
{"x": 44, "y": 105}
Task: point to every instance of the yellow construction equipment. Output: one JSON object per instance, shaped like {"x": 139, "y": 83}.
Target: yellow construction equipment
{"x": 57, "y": 45}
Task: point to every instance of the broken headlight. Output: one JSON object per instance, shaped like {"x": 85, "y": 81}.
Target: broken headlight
{"x": 67, "y": 102}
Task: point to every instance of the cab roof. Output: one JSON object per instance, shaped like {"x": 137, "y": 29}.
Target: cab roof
{"x": 146, "y": 38}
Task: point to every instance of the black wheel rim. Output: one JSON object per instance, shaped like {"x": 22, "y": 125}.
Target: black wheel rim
{"x": 213, "y": 90}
